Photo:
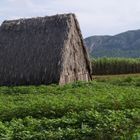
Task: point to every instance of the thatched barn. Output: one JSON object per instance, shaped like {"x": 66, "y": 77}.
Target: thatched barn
{"x": 42, "y": 50}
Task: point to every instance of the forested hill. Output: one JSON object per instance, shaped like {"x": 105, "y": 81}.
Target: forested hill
{"x": 125, "y": 44}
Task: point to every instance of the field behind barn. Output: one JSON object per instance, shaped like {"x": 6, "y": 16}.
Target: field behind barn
{"x": 106, "y": 108}
{"x": 108, "y": 66}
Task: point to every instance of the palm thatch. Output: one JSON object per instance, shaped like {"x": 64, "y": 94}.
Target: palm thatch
{"x": 42, "y": 50}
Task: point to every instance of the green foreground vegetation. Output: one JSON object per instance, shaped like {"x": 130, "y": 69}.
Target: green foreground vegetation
{"x": 104, "y": 109}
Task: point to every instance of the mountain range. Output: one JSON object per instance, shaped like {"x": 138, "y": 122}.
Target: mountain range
{"x": 126, "y": 44}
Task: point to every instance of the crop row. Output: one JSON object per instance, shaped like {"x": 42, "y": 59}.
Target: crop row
{"x": 84, "y": 125}
{"x": 101, "y": 109}
{"x": 115, "y": 66}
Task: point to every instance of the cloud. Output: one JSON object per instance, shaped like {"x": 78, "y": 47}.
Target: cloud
{"x": 95, "y": 16}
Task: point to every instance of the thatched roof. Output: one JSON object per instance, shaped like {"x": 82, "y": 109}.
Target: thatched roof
{"x": 32, "y": 49}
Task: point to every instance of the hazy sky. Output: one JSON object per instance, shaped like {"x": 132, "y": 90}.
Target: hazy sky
{"x": 96, "y": 17}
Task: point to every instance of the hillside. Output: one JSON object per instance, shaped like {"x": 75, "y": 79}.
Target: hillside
{"x": 125, "y": 44}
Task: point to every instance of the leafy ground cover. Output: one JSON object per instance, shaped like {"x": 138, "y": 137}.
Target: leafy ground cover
{"x": 104, "y": 109}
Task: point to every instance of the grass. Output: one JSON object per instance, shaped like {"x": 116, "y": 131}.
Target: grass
{"x": 106, "y": 108}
